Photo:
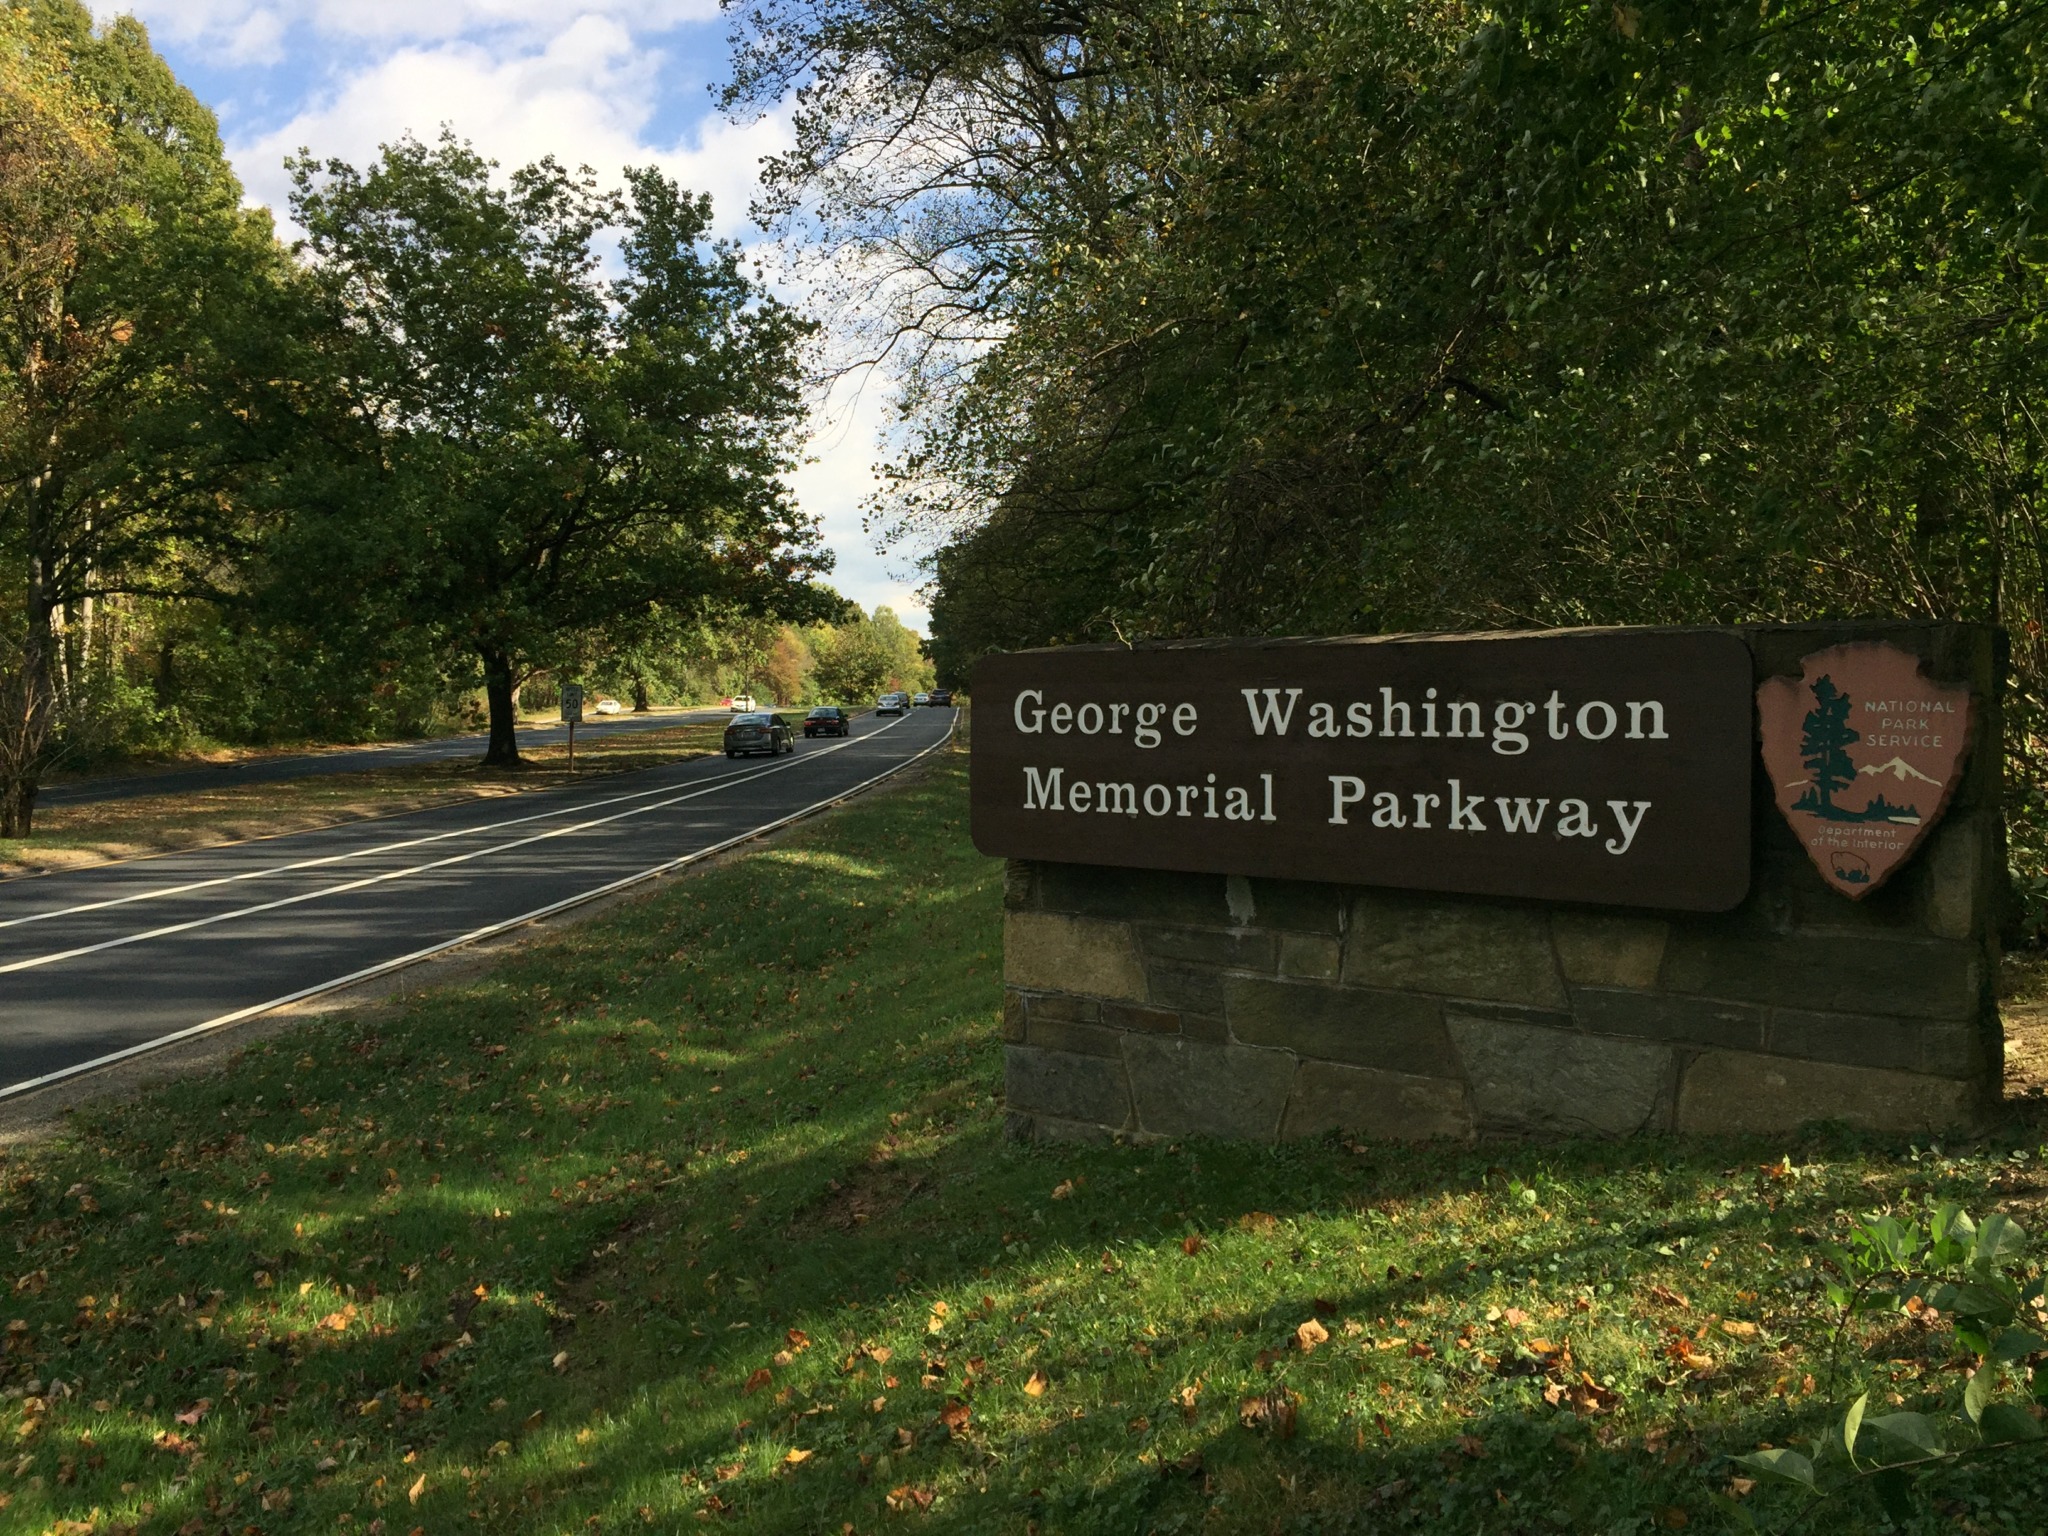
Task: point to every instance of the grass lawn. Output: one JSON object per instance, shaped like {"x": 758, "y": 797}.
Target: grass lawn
{"x": 701, "y": 1216}
{"x": 69, "y": 836}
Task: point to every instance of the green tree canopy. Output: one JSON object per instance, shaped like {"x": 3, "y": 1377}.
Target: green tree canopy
{"x": 549, "y": 453}
{"x": 146, "y": 338}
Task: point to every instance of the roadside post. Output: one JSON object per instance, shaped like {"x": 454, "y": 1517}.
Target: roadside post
{"x": 572, "y": 715}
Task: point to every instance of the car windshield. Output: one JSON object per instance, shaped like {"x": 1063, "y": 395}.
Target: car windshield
{"x": 751, "y": 720}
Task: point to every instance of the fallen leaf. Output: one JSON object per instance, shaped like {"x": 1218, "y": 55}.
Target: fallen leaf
{"x": 796, "y": 1458}
{"x": 799, "y": 1341}
{"x": 1271, "y": 1412}
{"x": 1665, "y": 1296}
{"x": 1735, "y": 1328}
{"x": 413, "y": 1493}
{"x": 1191, "y": 1244}
{"x": 955, "y": 1416}
{"x": 757, "y": 1381}
{"x": 881, "y": 1354}
{"x": 907, "y": 1498}
{"x": 1309, "y": 1335}
{"x": 1035, "y": 1387}
{"x": 1063, "y": 1189}
{"x": 561, "y": 1360}
{"x": 195, "y": 1413}
{"x": 1515, "y": 1317}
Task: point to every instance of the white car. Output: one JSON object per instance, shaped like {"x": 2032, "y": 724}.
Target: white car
{"x": 743, "y": 704}
{"x": 610, "y": 707}
{"x": 921, "y": 700}
{"x": 893, "y": 704}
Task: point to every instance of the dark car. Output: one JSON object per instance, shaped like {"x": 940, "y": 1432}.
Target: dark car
{"x": 940, "y": 698}
{"x": 829, "y": 721}
{"x": 758, "y": 733}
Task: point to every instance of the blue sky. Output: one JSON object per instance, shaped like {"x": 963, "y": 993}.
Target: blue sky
{"x": 605, "y": 83}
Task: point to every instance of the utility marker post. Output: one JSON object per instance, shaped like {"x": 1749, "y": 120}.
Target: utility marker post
{"x": 572, "y": 713}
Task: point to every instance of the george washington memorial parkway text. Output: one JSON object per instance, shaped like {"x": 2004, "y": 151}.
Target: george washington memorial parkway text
{"x": 1604, "y": 766}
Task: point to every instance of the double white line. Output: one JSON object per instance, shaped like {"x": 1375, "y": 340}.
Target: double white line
{"x": 488, "y": 931}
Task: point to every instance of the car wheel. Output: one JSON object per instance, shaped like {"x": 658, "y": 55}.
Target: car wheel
{"x": 730, "y": 756}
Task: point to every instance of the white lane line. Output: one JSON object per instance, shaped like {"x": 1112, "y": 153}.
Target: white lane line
{"x": 739, "y": 776}
{"x": 53, "y": 957}
{"x": 491, "y": 930}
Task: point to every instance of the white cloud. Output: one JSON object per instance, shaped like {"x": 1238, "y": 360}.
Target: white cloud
{"x": 845, "y": 431}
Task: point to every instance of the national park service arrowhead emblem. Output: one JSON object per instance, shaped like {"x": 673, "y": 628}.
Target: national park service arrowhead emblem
{"x": 1863, "y": 751}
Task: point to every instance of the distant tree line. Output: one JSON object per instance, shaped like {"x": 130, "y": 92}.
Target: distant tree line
{"x": 253, "y": 492}
{"x": 1314, "y": 318}
{"x": 849, "y": 661}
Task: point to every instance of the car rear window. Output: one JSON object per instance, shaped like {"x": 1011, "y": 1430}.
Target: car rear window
{"x": 750, "y": 720}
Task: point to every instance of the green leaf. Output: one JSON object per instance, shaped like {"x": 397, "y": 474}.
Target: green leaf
{"x": 2007, "y": 1423}
{"x": 1909, "y": 1429}
{"x": 1737, "y": 1512}
{"x": 1852, "y": 1424}
{"x": 2014, "y": 1343}
{"x": 1978, "y": 1392}
{"x": 1999, "y": 1239}
{"x": 1785, "y": 1466}
{"x": 1895, "y": 1492}
{"x": 1980, "y": 1301}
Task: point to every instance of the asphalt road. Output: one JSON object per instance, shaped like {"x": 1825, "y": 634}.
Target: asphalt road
{"x": 300, "y": 765}
{"x": 96, "y": 963}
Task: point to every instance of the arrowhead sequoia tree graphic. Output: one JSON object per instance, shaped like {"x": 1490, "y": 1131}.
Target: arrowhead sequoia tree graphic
{"x": 1824, "y": 748}
{"x": 1857, "y": 714}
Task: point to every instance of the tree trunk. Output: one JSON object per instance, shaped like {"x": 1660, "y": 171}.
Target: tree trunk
{"x": 17, "y": 805}
{"x": 641, "y": 703}
{"x": 503, "y": 751}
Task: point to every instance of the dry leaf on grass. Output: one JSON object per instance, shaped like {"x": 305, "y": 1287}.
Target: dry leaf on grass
{"x": 908, "y": 1498}
{"x": 1735, "y": 1328}
{"x": 1036, "y": 1386}
{"x": 413, "y": 1493}
{"x": 1272, "y": 1413}
{"x": 796, "y": 1458}
{"x": 1063, "y": 1189}
{"x": 1585, "y": 1397}
{"x": 1309, "y": 1335}
{"x": 1191, "y": 1244}
{"x": 757, "y": 1381}
{"x": 955, "y": 1416}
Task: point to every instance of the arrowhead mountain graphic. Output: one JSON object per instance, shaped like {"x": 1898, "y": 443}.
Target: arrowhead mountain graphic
{"x": 1899, "y": 769}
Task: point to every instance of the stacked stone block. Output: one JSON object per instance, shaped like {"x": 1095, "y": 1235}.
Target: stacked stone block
{"x": 1149, "y": 1004}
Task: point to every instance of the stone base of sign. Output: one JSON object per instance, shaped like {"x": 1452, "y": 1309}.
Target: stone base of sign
{"x": 1144, "y": 1004}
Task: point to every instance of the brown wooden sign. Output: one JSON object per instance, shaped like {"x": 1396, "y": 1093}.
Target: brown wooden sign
{"x": 1604, "y": 766}
{"x": 1863, "y": 750}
